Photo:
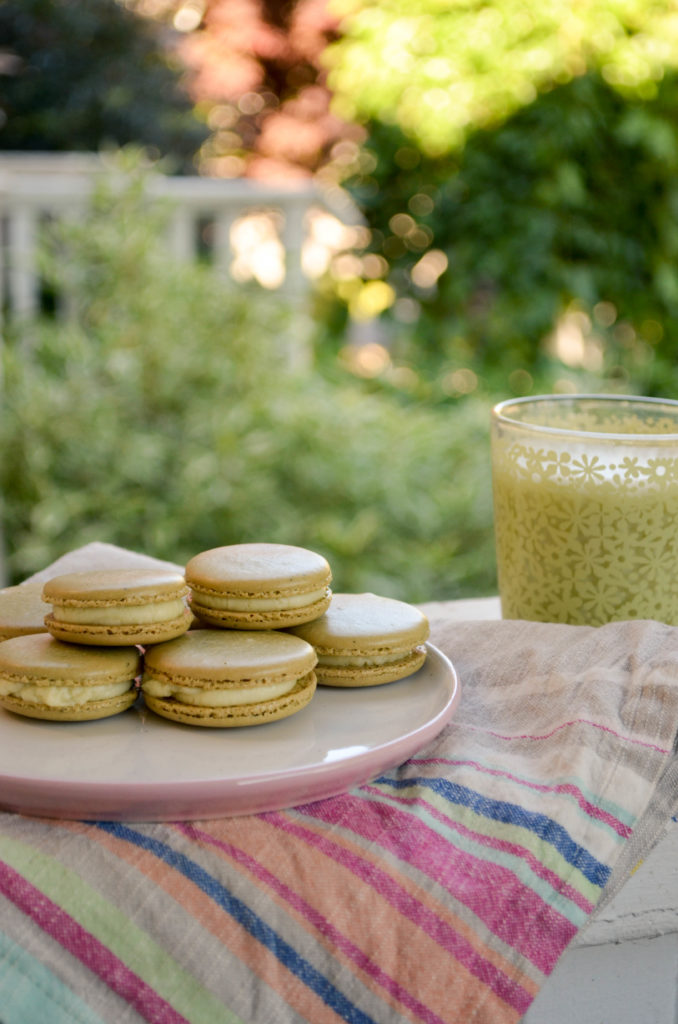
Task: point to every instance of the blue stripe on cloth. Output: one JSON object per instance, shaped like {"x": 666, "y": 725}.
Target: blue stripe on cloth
{"x": 512, "y": 814}
{"x": 246, "y": 917}
{"x": 30, "y": 992}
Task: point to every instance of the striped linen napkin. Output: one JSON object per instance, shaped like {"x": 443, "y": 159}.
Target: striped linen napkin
{"x": 444, "y": 891}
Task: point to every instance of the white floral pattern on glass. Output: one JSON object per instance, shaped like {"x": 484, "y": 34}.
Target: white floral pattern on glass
{"x": 587, "y": 527}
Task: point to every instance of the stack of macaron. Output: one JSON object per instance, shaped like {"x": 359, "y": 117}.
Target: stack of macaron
{"x": 241, "y": 668}
{"x": 71, "y": 652}
{"x": 243, "y": 637}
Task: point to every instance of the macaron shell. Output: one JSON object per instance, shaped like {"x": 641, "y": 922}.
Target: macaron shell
{"x": 257, "y": 570}
{"x": 114, "y": 587}
{"x": 219, "y": 658}
{"x": 364, "y": 624}
{"x": 88, "y": 712}
{"x": 22, "y": 610}
{"x": 257, "y": 713}
{"x": 40, "y": 659}
{"x": 371, "y": 675}
{"x": 281, "y": 618}
{"x": 117, "y": 636}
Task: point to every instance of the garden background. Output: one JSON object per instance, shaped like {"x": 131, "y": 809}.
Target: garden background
{"x": 514, "y": 164}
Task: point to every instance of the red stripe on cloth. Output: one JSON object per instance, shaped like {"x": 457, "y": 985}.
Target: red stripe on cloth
{"x": 514, "y": 849}
{"x": 566, "y": 725}
{"x": 521, "y": 918}
{"x": 509, "y": 990}
{"x": 86, "y": 948}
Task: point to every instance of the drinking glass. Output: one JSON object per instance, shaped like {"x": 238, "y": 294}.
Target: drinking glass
{"x": 586, "y": 508}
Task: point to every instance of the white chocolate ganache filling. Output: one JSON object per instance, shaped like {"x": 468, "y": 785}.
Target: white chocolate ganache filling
{"x": 217, "y": 698}
{"x": 260, "y": 604}
{"x": 159, "y": 611}
{"x": 61, "y": 696}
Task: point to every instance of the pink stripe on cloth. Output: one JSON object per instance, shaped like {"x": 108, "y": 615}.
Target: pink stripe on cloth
{"x": 565, "y": 725}
{"x": 535, "y": 865}
{"x": 318, "y": 920}
{"x": 509, "y": 990}
{"x": 512, "y": 918}
{"x": 563, "y": 787}
{"x": 86, "y": 948}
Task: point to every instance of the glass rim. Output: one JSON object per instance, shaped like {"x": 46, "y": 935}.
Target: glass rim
{"x": 499, "y": 415}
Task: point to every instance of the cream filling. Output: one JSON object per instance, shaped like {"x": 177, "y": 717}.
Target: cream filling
{"x": 356, "y": 661}
{"x": 160, "y": 611}
{"x": 212, "y": 698}
{"x": 259, "y": 604}
{"x": 61, "y": 696}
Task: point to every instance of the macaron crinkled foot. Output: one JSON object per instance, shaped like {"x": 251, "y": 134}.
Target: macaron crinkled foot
{"x": 117, "y": 607}
{"x": 366, "y": 640}
{"x": 258, "y": 586}
{"x": 226, "y": 678}
{"x": 41, "y": 677}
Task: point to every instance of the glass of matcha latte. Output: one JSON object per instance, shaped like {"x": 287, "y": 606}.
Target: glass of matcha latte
{"x": 586, "y": 508}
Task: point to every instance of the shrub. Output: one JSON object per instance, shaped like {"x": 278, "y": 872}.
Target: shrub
{"x": 166, "y": 415}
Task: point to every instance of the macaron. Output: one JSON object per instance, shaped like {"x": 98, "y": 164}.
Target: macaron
{"x": 41, "y": 677}
{"x": 258, "y": 586}
{"x": 117, "y": 606}
{"x": 366, "y": 640}
{"x": 222, "y": 678}
{"x": 22, "y": 610}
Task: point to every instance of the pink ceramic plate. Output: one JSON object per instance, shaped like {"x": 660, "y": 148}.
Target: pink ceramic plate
{"x": 138, "y": 767}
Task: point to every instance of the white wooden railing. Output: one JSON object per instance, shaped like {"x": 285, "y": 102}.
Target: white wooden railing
{"x": 36, "y": 185}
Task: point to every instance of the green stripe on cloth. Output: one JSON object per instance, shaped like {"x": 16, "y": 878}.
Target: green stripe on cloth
{"x": 118, "y": 933}
{"x": 30, "y": 992}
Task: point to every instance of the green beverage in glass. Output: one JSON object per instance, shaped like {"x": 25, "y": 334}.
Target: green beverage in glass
{"x": 586, "y": 508}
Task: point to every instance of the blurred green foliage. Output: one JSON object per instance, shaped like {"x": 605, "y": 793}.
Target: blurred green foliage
{"x": 166, "y": 415}
{"x": 443, "y": 70}
{"x": 82, "y": 76}
{"x": 519, "y": 180}
{"x": 570, "y": 205}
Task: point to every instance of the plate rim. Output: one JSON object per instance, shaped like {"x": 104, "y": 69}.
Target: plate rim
{"x": 32, "y": 795}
